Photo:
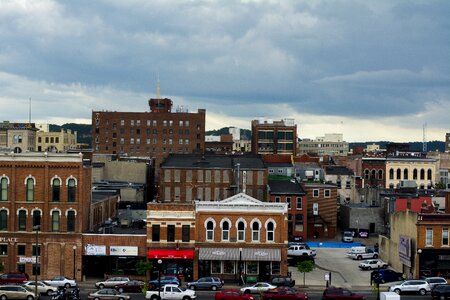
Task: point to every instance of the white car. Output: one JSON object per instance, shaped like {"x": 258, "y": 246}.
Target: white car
{"x": 370, "y": 264}
{"x": 111, "y": 282}
{"x": 257, "y": 288}
{"x": 171, "y": 292}
{"x": 411, "y": 286}
{"x": 42, "y": 287}
{"x": 61, "y": 281}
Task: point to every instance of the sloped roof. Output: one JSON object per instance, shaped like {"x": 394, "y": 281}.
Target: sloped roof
{"x": 338, "y": 170}
{"x": 283, "y": 187}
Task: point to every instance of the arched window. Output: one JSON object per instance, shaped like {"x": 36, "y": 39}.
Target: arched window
{"x": 391, "y": 173}
{"x": 422, "y": 186}
{"x": 255, "y": 231}
{"x": 405, "y": 174}
{"x": 429, "y": 173}
{"x": 422, "y": 174}
{"x": 270, "y": 230}
{"x": 71, "y": 190}
{"x": 56, "y": 190}
{"x": 3, "y": 220}
{"x": 55, "y": 220}
{"x": 380, "y": 174}
{"x": 225, "y": 231}
{"x": 415, "y": 174}
{"x": 71, "y": 221}
{"x": 4, "y": 189}
{"x": 30, "y": 189}
{"x": 22, "y": 220}
{"x": 366, "y": 174}
{"x": 399, "y": 174}
{"x": 391, "y": 186}
{"x": 241, "y": 231}
{"x": 210, "y": 231}
{"x": 374, "y": 174}
{"x": 36, "y": 217}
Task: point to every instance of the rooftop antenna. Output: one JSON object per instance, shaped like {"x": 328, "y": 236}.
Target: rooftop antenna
{"x": 424, "y": 141}
{"x": 158, "y": 89}
{"x": 29, "y": 111}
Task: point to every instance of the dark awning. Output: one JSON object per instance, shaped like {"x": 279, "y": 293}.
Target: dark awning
{"x": 171, "y": 254}
{"x": 260, "y": 254}
{"x": 218, "y": 254}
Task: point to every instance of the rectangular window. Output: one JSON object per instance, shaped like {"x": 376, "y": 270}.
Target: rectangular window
{"x": 186, "y": 234}
{"x": 299, "y": 203}
{"x": 3, "y": 249}
{"x": 216, "y": 267}
{"x": 429, "y": 237}
{"x": 276, "y": 268}
{"x": 347, "y": 184}
{"x": 327, "y": 193}
{"x": 156, "y": 233}
{"x": 445, "y": 237}
{"x": 316, "y": 193}
{"x": 21, "y": 250}
{"x": 288, "y": 201}
{"x": 252, "y": 268}
{"x": 171, "y": 233}
{"x": 277, "y": 199}
{"x": 33, "y": 250}
{"x": 228, "y": 267}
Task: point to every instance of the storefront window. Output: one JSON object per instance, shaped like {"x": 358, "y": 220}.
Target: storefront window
{"x": 216, "y": 267}
{"x": 228, "y": 267}
{"x": 252, "y": 268}
{"x": 276, "y": 268}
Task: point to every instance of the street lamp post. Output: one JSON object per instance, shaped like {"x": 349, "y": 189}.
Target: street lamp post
{"x": 419, "y": 252}
{"x": 74, "y": 262}
{"x": 159, "y": 278}
{"x": 36, "y": 228}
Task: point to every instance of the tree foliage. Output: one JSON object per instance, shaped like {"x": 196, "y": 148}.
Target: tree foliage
{"x": 304, "y": 267}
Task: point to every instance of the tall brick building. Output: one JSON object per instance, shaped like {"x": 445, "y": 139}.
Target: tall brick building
{"x": 44, "y": 208}
{"x": 185, "y": 178}
{"x": 149, "y": 134}
{"x": 274, "y": 137}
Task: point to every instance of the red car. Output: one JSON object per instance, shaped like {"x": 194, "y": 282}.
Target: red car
{"x": 132, "y": 286}
{"x": 333, "y": 293}
{"x": 232, "y": 295}
{"x": 284, "y": 293}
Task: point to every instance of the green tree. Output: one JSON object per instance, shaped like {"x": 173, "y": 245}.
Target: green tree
{"x": 143, "y": 268}
{"x": 304, "y": 267}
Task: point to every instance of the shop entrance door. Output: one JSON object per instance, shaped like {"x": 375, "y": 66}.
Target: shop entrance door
{"x": 264, "y": 270}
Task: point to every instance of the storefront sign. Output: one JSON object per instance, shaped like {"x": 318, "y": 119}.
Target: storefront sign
{"x": 27, "y": 259}
{"x": 170, "y": 254}
{"x": 123, "y": 250}
{"x": 8, "y": 239}
{"x": 95, "y": 250}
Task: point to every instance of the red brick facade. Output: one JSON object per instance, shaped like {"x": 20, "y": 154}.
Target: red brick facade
{"x": 32, "y": 197}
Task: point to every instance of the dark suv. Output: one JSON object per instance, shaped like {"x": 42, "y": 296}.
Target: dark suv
{"x": 13, "y": 278}
{"x": 283, "y": 281}
{"x": 441, "y": 291}
{"x": 385, "y": 275}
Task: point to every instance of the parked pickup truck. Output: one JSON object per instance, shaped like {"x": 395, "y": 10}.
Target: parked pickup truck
{"x": 362, "y": 253}
{"x": 172, "y": 292}
{"x": 300, "y": 250}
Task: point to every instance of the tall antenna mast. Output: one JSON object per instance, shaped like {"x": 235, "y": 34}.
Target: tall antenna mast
{"x": 424, "y": 141}
{"x": 29, "y": 111}
{"x": 158, "y": 89}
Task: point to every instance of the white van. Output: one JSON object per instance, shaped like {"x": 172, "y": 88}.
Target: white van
{"x": 347, "y": 236}
{"x": 357, "y": 249}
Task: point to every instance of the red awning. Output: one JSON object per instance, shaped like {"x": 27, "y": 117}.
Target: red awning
{"x": 171, "y": 254}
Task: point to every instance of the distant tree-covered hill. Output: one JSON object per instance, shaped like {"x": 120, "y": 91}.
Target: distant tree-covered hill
{"x": 245, "y": 133}
{"x": 84, "y": 133}
{"x": 413, "y": 146}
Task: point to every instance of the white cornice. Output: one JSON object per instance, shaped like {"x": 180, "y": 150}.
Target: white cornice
{"x": 240, "y": 203}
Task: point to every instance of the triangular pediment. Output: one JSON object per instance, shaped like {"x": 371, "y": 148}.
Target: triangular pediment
{"x": 241, "y": 198}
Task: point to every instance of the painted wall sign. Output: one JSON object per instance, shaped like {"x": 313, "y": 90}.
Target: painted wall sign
{"x": 95, "y": 249}
{"x": 123, "y": 250}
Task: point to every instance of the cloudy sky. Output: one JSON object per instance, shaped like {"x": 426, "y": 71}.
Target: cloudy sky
{"x": 372, "y": 70}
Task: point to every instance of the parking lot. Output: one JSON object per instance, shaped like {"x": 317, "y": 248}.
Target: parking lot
{"x": 344, "y": 271}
